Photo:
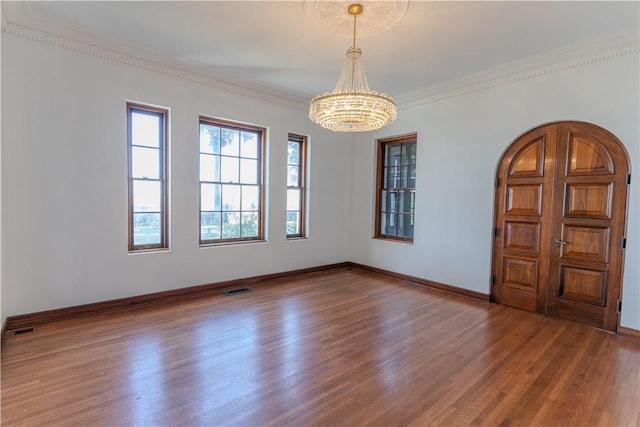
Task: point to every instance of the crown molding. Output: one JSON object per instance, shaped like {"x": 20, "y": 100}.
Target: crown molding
{"x": 160, "y": 65}
{"x": 580, "y": 55}
{"x": 584, "y": 54}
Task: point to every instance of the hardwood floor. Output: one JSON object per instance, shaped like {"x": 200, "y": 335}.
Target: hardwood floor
{"x": 343, "y": 347}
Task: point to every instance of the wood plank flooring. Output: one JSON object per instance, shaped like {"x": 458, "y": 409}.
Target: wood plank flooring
{"x": 343, "y": 347}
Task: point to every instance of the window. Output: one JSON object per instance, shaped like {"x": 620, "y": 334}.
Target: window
{"x": 296, "y": 185}
{"x": 396, "y": 188}
{"x": 147, "y": 152}
{"x": 231, "y": 175}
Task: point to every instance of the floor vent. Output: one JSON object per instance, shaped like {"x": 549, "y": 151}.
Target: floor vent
{"x": 237, "y": 291}
{"x": 23, "y": 331}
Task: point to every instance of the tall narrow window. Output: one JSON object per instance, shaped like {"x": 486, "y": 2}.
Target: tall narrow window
{"x": 147, "y": 133}
{"x": 296, "y": 185}
{"x": 231, "y": 176}
{"x": 396, "y": 185}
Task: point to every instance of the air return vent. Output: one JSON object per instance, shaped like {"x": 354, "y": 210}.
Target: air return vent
{"x": 237, "y": 291}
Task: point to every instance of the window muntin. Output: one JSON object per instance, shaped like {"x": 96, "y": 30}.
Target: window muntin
{"x": 147, "y": 165}
{"x": 296, "y": 186}
{"x": 396, "y": 182}
{"x": 231, "y": 176}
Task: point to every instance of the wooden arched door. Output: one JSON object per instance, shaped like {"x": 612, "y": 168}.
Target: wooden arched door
{"x": 560, "y": 216}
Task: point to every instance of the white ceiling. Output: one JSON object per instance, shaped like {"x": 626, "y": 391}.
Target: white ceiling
{"x": 276, "y": 45}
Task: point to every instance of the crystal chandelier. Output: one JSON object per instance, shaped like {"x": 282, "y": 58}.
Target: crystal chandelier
{"x": 353, "y": 106}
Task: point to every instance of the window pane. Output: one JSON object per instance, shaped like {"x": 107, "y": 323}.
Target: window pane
{"x": 384, "y": 196}
{"x": 230, "y": 197}
{"x": 145, "y": 129}
{"x": 293, "y": 151}
{"x": 229, "y": 169}
{"x": 146, "y": 196}
{"x": 404, "y": 176}
{"x": 392, "y": 155}
{"x": 249, "y": 145}
{"x": 405, "y": 225}
{"x": 248, "y": 171}
{"x": 391, "y": 204}
{"x": 293, "y": 222}
{"x": 250, "y": 198}
{"x": 412, "y": 149}
{"x": 210, "y": 197}
{"x": 145, "y": 162}
{"x": 407, "y": 153}
{"x": 230, "y": 225}
{"x": 209, "y": 139}
{"x": 230, "y": 142}
{"x": 388, "y": 201}
{"x": 388, "y": 224}
{"x": 410, "y": 176}
{"x": 209, "y": 168}
{"x": 210, "y": 225}
{"x": 392, "y": 177}
{"x": 146, "y": 229}
{"x": 249, "y": 224}
{"x": 292, "y": 176}
{"x": 405, "y": 202}
{"x": 293, "y": 199}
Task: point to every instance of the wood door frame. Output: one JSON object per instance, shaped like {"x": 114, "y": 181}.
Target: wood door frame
{"x": 503, "y": 164}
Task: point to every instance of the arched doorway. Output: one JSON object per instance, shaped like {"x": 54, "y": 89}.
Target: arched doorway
{"x": 560, "y": 223}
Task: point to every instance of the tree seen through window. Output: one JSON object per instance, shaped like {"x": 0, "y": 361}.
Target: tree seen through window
{"x": 230, "y": 182}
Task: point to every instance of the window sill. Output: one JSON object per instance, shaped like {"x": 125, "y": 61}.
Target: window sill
{"x": 236, "y": 242}
{"x": 391, "y": 239}
{"x": 148, "y": 251}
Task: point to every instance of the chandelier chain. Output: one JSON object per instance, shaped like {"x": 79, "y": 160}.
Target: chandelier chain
{"x": 355, "y": 16}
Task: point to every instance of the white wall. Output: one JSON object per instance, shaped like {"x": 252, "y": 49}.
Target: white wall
{"x": 64, "y": 183}
{"x": 64, "y": 190}
{"x": 459, "y": 143}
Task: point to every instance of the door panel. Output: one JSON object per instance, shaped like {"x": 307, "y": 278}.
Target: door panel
{"x": 522, "y": 237}
{"x": 520, "y": 273}
{"x": 587, "y": 156}
{"x": 524, "y": 199}
{"x": 529, "y": 160}
{"x": 591, "y": 200}
{"x": 583, "y": 285}
{"x": 560, "y": 217}
{"x": 586, "y": 243}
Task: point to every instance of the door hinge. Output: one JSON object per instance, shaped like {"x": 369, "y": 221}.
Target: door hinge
{"x": 619, "y": 306}
{"x": 493, "y": 280}
{"x": 624, "y": 243}
{"x": 495, "y": 231}
{"x": 497, "y": 182}
{"x": 629, "y": 179}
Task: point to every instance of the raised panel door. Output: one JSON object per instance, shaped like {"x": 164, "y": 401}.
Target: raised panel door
{"x": 520, "y": 266}
{"x": 589, "y": 225}
{"x": 560, "y": 219}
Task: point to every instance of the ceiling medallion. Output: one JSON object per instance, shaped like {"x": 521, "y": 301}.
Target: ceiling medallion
{"x": 333, "y": 15}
